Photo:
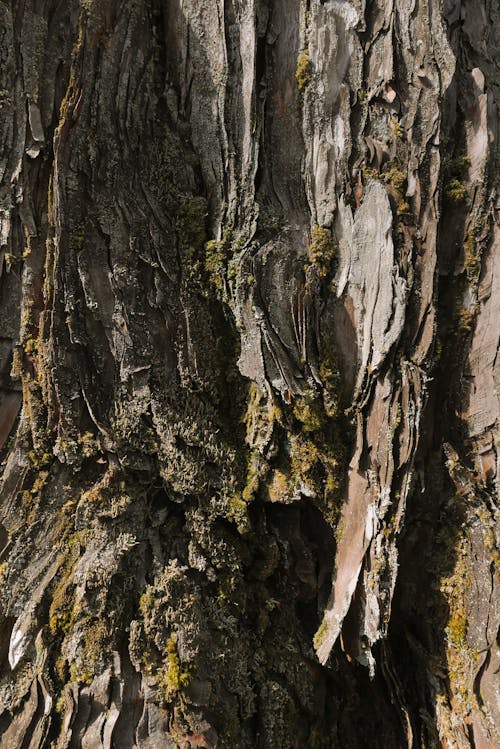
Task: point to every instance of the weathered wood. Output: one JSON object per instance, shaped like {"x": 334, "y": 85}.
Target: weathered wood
{"x": 249, "y": 327}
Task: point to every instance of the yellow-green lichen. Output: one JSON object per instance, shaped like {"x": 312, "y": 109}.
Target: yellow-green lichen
{"x": 320, "y": 635}
{"x": 62, "y": 610}
{"x": 175, "y": 677}
{"x": 61, "y": 605}
{"x": 217, "y": 254}
{"x": 322, "y": 250}
{"x": 87, "y": 444}
{"x": 39, "y": 459}
{"x": 303, "y": 71}
{"x": 31, "y": 347}
{"x": 397, "y": 128}
{"x": 96, "y": 644}
{"x": 394, "y": 178}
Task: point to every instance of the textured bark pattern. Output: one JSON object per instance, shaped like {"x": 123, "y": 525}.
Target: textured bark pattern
{"x": 249, "y": 330}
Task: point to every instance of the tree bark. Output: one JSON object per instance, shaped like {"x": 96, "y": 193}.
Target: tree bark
{"x": 249, "y": 329}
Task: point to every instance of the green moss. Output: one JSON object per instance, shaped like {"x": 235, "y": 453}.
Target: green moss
{"x": 60, "y": 706}
{"x": 31, "y": 347}
{"x": 319, "y": 443}
{"x": 318, "y": 461}
{"x": 457, "y": 627}
{"x": 171, "y": 675}
{"x": 489, "y": 537}
{"x": 369, "y": 173}
{"x": 303, "y": 71}
{"x": 35, "y": 409}
{"x": 216, "y": 258}
{"x": 455, "y": 585}
{"x": 457, "y": 168}
{"x": 309, "y": 412}
{"x": 40, "y": 459}
{"x": 396, "y": 421}
{"x": 305, "y": 456}
{"x": 39, "y": 482}
{"x": 170, "y": 186}
{"x": 394, "y": 176}
{"x": 330, "y": 377}
{"x": 61, "y": 606}
{"x": 454, "y": 192}
{"x": 80, "y": 676}
{"x": 147, "y": 601}
{"x": 62, "y": 611}
{"x": 403, "y": 208}
{"x": 238, "y": 513}
{"x": 96, "y": 644}
{"x": 66, "y": 449}
{"x": 472, "y": 254}
{"x": 215, "y": 264}
{"x": 175, "y": 677}
{"x": 322, "y": 250}
{"x": 88, "y": 444}
{"x": 397, "y": 129}
{"x": 261, "y": 416}
{"x": 317, "y": 450}
{"x": 455, "y": 171}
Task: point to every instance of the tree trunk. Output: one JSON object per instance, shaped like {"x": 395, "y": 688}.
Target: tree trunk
{"x": 249, "y": 328}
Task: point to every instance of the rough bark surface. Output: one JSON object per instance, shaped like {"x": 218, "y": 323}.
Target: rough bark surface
{"x": 249, "y": 328}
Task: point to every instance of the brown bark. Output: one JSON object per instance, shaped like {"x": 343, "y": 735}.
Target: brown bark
{"x": 249, "y": 330}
